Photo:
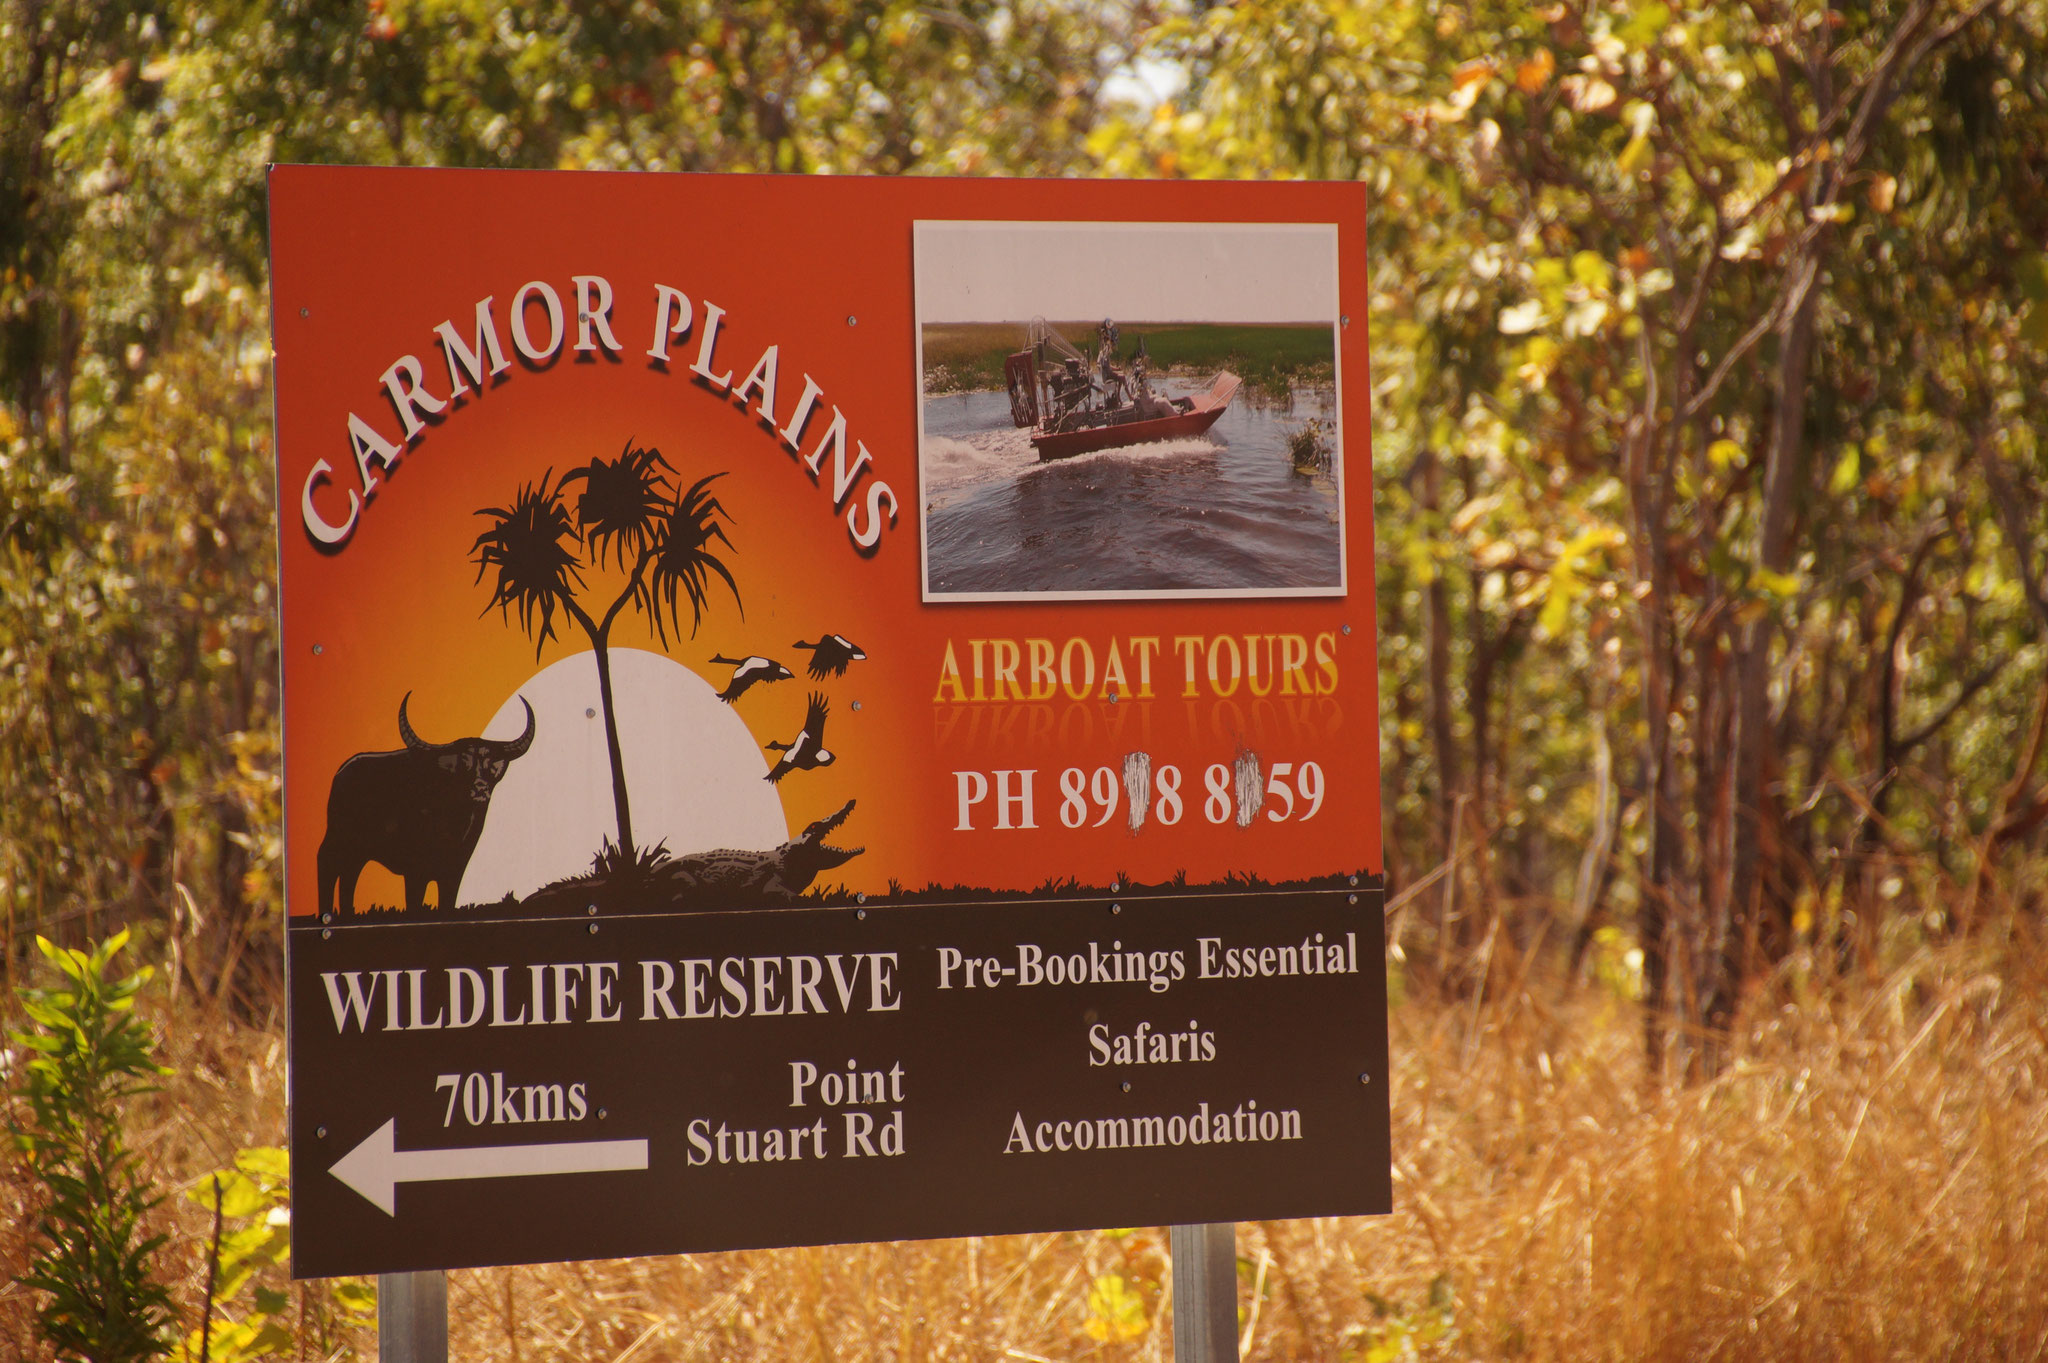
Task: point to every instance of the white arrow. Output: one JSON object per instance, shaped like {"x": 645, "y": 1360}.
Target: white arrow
{"x": 377, "y": 1166}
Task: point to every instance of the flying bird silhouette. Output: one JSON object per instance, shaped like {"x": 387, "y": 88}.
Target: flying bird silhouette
{"x": 831, "y": 654}
{"x": 747, "y": 671}
{"x": 807, "y": 750}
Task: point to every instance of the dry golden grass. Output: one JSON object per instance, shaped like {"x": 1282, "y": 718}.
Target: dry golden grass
{"x": 1867, "y": 1180}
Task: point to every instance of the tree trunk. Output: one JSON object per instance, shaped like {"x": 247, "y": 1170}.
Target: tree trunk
{"x": 1592, "y": 873}
{"x": 1736, "y": 918}
{"x": 1649, "y": 492}
{"x": 611, "y": 743}
{"x": 1438, "y": 597}
{"x": 1654, "y": 919}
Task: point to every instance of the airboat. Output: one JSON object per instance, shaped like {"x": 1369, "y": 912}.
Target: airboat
{"x": 1073, "y": 406}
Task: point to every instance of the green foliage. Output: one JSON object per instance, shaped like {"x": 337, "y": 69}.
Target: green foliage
{"x": 89, "y": 1054}
{"x": 1702, "y": 343}
{"x": 1114, "y": 1313}
{"x": 138, "y": 649}
{"x": 1401, "y": 1333}
{"x": 1610, "y": 248}
{"x": 1269, "y": 356}
{"x": 254, "y": 1193}
{"x": 1590, "y": 227}
{"x": 1617, "y": 965}
{"x": 249, "y": 1316}
{"x": 137, "y": 635}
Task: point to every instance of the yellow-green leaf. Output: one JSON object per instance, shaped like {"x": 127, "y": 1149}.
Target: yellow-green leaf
{"x": 239, "y": 1194}
{"x": 1586, "y": 541}
{"x": 1645, "y": 25}
{"x": 1557, "y": 604}
{"x": 1115, "y": 1312}
{"x": 1784, "y": 586}
{"x": 2031, "y": 273}
{"x": 356, "y": 1295}
{"x": 1848, "y": 471}
{"x": 268, "y": 1162}
{"x": 1421, "y": 560}
{"x": 2034, "y": 326}
{"x": 1635, "y": 155}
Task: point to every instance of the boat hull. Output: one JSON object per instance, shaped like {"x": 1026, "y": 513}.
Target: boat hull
{"x": 1199, "y": 417}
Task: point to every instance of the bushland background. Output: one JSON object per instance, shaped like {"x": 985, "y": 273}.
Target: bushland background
{"x": 1710, "y": 348}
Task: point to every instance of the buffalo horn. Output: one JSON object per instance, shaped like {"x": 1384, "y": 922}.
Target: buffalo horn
{"x": 412, "y": 740}
{"x": 517, "y": 747}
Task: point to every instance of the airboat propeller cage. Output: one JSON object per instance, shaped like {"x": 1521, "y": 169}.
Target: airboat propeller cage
{"x": 1020, "y": 372}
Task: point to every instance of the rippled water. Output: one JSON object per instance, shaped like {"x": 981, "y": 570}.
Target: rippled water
{"x": 1217, "y": 512}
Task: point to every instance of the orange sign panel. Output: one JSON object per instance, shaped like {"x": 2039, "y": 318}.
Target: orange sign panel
{"x": 668, "y": 545}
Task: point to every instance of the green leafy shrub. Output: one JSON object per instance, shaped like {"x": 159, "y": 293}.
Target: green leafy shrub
{"x": 1115, "y": 1312}
{"x": 1402, "y": 1334}
{"x": 248, "y": 1316}
{"x": 89, "y": 1054}
{"x": 251, "y": 1195}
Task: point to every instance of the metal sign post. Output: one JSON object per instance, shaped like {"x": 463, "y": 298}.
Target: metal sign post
{"x": 1205, "y": 1293}
{"x": 412, "y": 1317}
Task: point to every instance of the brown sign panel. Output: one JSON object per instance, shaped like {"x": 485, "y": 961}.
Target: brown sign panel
{"x": 541, "y": 1090}
{"x": 752, "y": 642}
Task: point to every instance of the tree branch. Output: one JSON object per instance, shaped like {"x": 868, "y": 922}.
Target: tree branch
{"x": 1982, "y": 679}
{"x": 632, "y": 588}
{"x": 1742, "y": 347}
{"x": 582, "y": 617}
{"x": 2012, "y": 519}
{"x": 1891, "y": 70}
{"x": 1909, "y": 596}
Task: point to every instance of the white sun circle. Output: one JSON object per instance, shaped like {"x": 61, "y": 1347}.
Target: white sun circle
{"x": 693, "y": 774}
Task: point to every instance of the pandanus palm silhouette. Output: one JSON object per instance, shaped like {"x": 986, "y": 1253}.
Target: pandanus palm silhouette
{"x": 630, "y": 517}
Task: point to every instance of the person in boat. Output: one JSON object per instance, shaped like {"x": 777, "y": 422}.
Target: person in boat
{"x": 1105, "y": 359}
{"x": 1151, "y": 407}
{"x": 1145, "y": 404}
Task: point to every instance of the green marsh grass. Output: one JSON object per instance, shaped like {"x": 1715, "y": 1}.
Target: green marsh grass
{"x": 967, "y": 356}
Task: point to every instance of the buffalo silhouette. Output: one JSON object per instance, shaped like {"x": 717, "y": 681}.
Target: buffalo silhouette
{"x": 417, "y": 811}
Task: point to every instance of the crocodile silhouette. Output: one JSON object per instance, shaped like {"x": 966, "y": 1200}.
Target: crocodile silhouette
{"x": 780, "y": 875}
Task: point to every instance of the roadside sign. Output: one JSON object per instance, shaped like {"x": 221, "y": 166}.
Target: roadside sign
{"x": 822, "y": 710}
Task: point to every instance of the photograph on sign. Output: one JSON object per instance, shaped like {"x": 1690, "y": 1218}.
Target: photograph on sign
{"x": 1129, "y": 410}
{"x": 673, "y": 856}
